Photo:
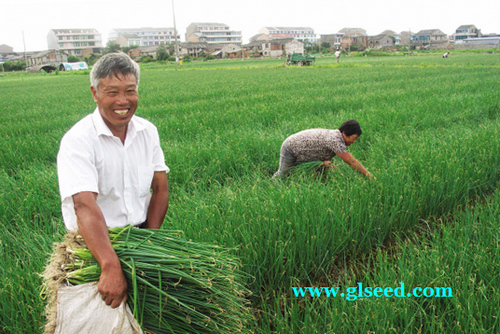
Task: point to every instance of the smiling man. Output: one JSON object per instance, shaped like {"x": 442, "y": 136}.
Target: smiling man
{"x": 321, "y": 144}
{"x": 111, "y": 170}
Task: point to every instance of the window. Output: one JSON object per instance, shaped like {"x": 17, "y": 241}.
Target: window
{"x": 76, "y": 37}
{"x": 91, "y": 43}
{"x": 76, "y": 44}
{"x": 91, "y": 36}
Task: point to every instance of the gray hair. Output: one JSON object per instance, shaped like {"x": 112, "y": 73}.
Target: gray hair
{"x": 113, "y": 64}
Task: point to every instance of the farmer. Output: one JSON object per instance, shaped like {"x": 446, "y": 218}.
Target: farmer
{"x": 321, "y": 144}
{"x": 446, "y": 55}
{"x": 111, "y": 170}
{"x": 337, "y": 55}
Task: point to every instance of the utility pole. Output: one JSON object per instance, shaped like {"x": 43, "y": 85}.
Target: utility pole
{"x": 409, "y": 41}
{"x": 25, "y": 59}
{"x": 175, "y": 37}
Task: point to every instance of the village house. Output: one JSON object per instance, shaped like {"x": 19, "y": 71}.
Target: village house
{"x": 76, "y": 42}
{"x": 335, "y": 40}
{"x": 431, "y": 38}
{"x": 212, "y": 33}
{"x": 300, "y": 33}
{"x": 52, "y": 57}
{"x": 193, "y": 50}
{"x": 465, "y": 32}
{"x": 354, "y": 39}
{"x": 380, "y": 41}
{"x": 275, "y": 48}
{"x": 143, "y": 51}
{"x": 143, "y": 36}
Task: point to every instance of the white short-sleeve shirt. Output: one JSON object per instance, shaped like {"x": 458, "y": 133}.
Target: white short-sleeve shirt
{"x": 91, "y": 159}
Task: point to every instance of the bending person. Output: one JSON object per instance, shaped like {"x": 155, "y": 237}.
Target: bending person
{"x": 321, "y": 144}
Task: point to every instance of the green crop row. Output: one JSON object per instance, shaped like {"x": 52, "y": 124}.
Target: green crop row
{"x": 429, "y": 128}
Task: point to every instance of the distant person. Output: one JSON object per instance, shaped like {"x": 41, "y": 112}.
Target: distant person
{"x": 337, "y": 55}
{"x": 446, "y": 55}
{"x": 323, "y": 145}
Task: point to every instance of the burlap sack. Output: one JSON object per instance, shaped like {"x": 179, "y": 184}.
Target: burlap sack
{"x": 79, "y": 309}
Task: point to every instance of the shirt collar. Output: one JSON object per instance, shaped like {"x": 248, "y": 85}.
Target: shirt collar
{"x": 340, "y": 135}
{"x": 102, "y": 129}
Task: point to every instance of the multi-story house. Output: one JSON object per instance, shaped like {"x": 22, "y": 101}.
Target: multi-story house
{"x": 335, "y": 40}
{"x": 76, "y": 42}
{"x": 407, "y": 37}
{"x": 465, "y": 32}
{"x": 431, "y": 37}
{"x": 381, "y": 41}
{"x": 354, "y": 39}
{"x": 397, "y": 37}
{"x": 300, "y": 33}
{"x": 212, "y": 33}
{"x": 143, "y": 36}
{"x": 275, "y": 48}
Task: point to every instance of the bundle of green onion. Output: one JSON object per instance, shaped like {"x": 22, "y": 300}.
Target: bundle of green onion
{"x": 310, "y": 167}
{"x": 175, "y": 285}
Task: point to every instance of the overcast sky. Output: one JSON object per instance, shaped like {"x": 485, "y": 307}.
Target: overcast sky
{"x": 36, "y": 17}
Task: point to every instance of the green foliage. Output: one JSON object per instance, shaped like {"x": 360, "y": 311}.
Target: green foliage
{"x": 209, "y": 57}
{"x": 126, "y": 49}
{"x": 11, "y": 66}
{"x": 161, "y": 54}
{"x": 73, "y": 59}
{"x": 146, "y": 59}
{"x": 428, "y": 136}
{"x": 175, "y": 285}
{"x": 111, "y": 47}
{"x": 91, "y": 59}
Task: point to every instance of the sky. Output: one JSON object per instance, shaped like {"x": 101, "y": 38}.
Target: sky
{"x": 26, "y": 23}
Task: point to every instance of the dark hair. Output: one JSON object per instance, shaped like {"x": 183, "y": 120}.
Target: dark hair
{"x": 350, "y": 128}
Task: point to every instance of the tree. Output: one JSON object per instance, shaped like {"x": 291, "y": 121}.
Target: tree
{"x": 111, "y": 46}
{"x": 326, "y": 45}
{"x": 126, "y": 49}
{"x": 10, "y": 66}
{"x": 91, "y": 59}
{"x": 73, "y": 59}
{"x": 161, "y": 54}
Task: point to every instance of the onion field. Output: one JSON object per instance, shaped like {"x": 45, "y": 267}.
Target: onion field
{"x": 431, "y": 131}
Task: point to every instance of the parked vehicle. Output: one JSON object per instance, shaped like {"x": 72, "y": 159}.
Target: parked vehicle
{"x": 299, "y": 59}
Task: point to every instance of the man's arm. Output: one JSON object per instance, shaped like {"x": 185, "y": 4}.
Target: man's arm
{"x": 158, "y": 205}
{"x": 112, "y": 284}
{"x": 355, "y": 164}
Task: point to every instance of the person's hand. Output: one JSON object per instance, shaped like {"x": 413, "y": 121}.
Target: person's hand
{"x": 113, "y": 286}
{"x": 327, "y": 164}
{"x": 371, "y": 177}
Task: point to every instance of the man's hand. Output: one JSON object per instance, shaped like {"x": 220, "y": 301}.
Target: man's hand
{"x": 112, "y": 286}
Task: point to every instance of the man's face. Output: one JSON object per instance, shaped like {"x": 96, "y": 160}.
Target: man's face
{"x": 117, "y": 99}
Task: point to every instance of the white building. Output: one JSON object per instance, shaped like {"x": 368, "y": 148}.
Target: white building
{"x": 76, "y": 42}
{"x": 212, "y": 33}
{"x": 143, "y": 36}
{"x": 301, "y": 33}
